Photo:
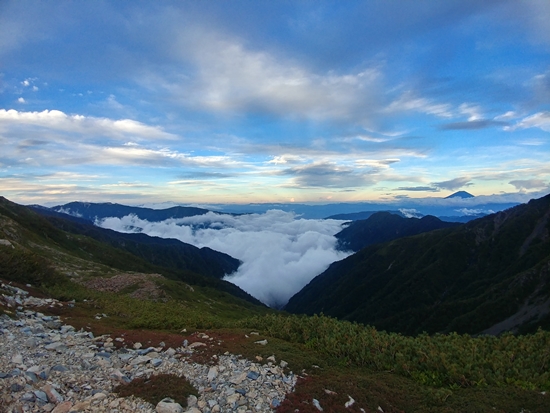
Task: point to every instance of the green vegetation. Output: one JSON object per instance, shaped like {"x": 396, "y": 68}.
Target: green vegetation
{"x": 158, "y": 387}
{"x": 440, "y": 360}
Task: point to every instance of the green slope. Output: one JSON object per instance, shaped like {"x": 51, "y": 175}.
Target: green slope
{"x": 466, "y": 279}
{"x": 42, "y": 253}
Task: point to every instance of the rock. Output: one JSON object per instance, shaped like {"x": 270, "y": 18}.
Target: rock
{"x": 252, "y": 375}
{"x": 71, "y": 371}
{"x": 168, "y": 406}
{"x": 350, "y": 402}
{"x": 317, "y": 405}
{"x": 17, "y": 359}
{"x": 283, "y": 364}
{"x": 261, "y": 342}
{"x": 192, "y": 401}
{"x": 64, "y": 407}
{"x": 212, "y": 373}
{"x": 40, "y": 395}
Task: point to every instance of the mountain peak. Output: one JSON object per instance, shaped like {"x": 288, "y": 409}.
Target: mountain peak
{"x": 460, "y": 194}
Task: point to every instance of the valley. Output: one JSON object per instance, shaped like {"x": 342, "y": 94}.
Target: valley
{"x": 108, "y": 284}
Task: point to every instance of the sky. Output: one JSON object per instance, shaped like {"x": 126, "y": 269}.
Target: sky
{"x": 279, "y": 252}
{"x": 200, "y": 102}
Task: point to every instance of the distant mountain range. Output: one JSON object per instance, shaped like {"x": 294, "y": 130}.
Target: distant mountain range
{"x": 92, "y": 211}
{"x": 487, "y": 276}
{"x": 166, "y": 252}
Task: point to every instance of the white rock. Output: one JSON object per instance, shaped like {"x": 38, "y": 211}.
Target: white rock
{"x": 317, "y": 405}
{"x": 168, "y": 406}
{"x": 212, "y": 373}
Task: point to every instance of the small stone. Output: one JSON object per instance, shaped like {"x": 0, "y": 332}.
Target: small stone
{"x": 85, "y": 405}
{"x": 137, "y": 345}
{"x": 283, "y": 364}
{"x": 252, "y": 375}
{"x": 53, "y": 394}
{"x": 212, "y": 373}
{"x": 261, "y": 342}
{"x": 350, "y": 402}
{"x": 156, "y": 362}
{"x": 40, "y": 395}
{"x": 196, "y": 344}
{"x": 64, "y": 407}
{"x": 17, "y": 359}
{"x": 99, "y": 396}
{"x": 317, "y": 405}
{"x": 192, "y": 400}
{"x": 168, "y": 406}
{"x": 15, "y": 388}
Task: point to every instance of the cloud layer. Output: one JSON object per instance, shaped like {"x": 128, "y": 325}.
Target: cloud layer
{"x": 280, "y": 252}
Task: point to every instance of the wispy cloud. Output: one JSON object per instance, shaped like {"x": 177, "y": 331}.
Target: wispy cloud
{"x": 539, "y": 120}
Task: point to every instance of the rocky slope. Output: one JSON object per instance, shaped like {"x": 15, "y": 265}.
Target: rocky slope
{"x": 48, "y": 366}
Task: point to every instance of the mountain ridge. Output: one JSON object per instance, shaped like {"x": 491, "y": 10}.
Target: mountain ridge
{"x": 466, "y": 279}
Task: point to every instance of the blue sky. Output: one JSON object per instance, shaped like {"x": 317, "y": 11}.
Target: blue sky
{"x": 281, "y": 101}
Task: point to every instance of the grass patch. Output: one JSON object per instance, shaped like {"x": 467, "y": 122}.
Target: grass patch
{"x": 158, "y": 387}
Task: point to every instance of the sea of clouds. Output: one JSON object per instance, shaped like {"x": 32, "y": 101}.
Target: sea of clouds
{"x": 280, "y": 252}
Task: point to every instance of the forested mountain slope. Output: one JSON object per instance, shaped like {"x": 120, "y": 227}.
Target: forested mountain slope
{"x": 383, "y": 227}
{"x": 489, "y": 275}
{"x": 40, "y": 247}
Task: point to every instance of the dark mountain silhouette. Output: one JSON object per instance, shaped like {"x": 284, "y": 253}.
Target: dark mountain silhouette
{"x": 92, "y": 211}
{"x": 356, "y": 216}
{"x": 460, "y": 194}
{"x": 166, "y": 252}
{"x": 462, "y": 218}
{"x": 383, "y": 227}
{"x": 489, "y": 275}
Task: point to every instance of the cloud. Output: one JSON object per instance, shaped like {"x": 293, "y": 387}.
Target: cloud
{"x": 539, "y": 120}
{"x": 58, "y": 120}
{"x": 328, "y": 175}
{"x": 453, "y": 184}
{"x": 472, "y": 125}
{"x": 408, "y": 101}
{"x": 229, "y": 76}
{"x": 280, "y": 253}
{"x": 410, "y": 212}
{"x": 474, "y": 211}
{"x": 523, "y": 184}
{"x": 418, "y": 188}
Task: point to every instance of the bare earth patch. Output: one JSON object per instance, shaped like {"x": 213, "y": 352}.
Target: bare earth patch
{"x": 143, "y": 286}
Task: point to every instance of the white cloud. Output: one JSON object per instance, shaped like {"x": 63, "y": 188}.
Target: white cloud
{"x": 280, "y": 252}
{"x": 21, "y": 100}
{"x": 58, "y": 120}
{"x": 409, "y": 102}
{"x": 539, "y": 120}
{"x": 231, "y": 77}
